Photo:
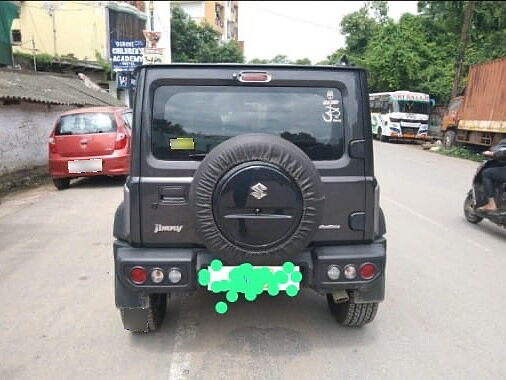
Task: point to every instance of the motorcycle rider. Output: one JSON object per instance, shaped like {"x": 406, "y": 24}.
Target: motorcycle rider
{"x": 495, "y": 175}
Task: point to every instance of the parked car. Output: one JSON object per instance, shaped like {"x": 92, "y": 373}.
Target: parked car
{"x": 89, "y": 142}
{"x": 249, "y": 180}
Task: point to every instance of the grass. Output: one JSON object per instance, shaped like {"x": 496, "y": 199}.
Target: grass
{"x": 462, "y": 152}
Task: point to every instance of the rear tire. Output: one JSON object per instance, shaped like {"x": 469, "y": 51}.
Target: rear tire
{"x": 381, "y": 137}
{"x": 145, "y": 320}
{"x": 471, "y": 217}
{"x": 61, "y": 183}
{"x": 351, "y": 314}
{"x": 449, "y": 139}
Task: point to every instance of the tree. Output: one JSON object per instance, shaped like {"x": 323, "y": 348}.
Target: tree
{"x": 419, "y": 52}
{"x": 303, "y": 61}
{"x": 281, "y": 59}
{"x": 194, "y": 43}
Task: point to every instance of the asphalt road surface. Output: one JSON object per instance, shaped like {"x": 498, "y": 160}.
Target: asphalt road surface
{"x": 444, "y": 315}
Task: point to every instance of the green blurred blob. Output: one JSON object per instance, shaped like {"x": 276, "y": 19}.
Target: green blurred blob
{"x": 288, "y": 267}
{"x": 224, "y": 285}
{"x": 221, "y": 307}
{"x": 292, "y": 290}
{"x": 216, "y": 265}
{"x": 273, "y": 289}
{"x": 232, "y": 296}
{"x": 204, "y": 277}
{"x": 296, "y": 277}
{"x": 216, "y": 287}
{"x": 281, "y": 277}
{"x": 250, "y": 296}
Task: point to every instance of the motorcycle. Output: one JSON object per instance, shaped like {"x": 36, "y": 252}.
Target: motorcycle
{"x": 476, "y": 198}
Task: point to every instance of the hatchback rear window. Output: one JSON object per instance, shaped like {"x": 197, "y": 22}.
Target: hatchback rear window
{"x": 85, "y": 123}
{"x": 309, "y": 117}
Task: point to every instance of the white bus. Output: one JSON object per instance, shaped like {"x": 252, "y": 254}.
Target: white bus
{"x": 400, "y": 115}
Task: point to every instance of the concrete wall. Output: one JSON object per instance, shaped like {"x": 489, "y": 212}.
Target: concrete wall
{"x": 24, "y": 131}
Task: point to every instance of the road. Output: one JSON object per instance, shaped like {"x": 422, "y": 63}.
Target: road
{"x": 444, "y": 315}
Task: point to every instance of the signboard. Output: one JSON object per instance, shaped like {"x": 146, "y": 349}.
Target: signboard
{"x": 152, "y": 56}
{"x": 126, "y": 55}
{"x": 415, "y": 96}
{"x": 123, "y": 79}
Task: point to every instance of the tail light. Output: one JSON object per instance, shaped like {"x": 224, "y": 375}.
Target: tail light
{"x": 367, "y": 271}
{"x": 121, "y": 140}
{"x": 350, "y": 271}
{"x": 138, "y": 275}
{"x": 254, "y": 76}
{"x": 52, "y": 144}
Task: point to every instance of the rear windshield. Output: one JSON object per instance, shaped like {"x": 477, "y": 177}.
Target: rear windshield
{"x": 85, "y": 123}
{"x": 204, "y": 116}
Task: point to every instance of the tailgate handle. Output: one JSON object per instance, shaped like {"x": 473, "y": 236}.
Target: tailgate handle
{"x": 172, "y": 194}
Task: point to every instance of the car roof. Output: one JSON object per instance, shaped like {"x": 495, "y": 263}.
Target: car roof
{"x": 94, "y": 110}
{"x": 251, "y": 66}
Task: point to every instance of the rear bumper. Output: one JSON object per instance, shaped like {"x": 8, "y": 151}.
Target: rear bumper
{"x": 189, "y": 261}
{"x": 112, "y": 165}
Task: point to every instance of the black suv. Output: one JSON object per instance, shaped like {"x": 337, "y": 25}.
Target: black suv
{"x": 250, "y": 179}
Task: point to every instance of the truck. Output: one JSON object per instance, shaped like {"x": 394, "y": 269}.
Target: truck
{"x": 478, "y": 118}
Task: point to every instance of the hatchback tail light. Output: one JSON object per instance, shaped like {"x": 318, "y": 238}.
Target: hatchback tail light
{"x": 52, "y": 144}
{"x": 121, "y": 140}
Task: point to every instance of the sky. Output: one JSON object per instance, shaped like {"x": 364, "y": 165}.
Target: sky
{"x": 299, "y": 29}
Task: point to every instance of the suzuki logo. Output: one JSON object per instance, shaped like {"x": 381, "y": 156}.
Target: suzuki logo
{"x": 258, "y": 191}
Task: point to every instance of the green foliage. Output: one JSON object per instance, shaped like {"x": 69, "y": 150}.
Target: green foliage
{"x": 104, "y": 63}
{"x": 43, "y": 60}
{"x": 258, "y": 61}
{"x": 194, "y": 43}
{"x": 418, "y": 52}
{"x": 281, "y": 59}
{"x": 303, "y": 61}
{"x": 461, "y": 152}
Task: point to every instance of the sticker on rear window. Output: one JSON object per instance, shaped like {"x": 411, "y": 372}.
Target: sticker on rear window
{"x": 182, "y": 143}
{"x": 333, "y": 112}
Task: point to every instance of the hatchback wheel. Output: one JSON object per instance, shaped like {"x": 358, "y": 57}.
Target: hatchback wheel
{"x": 61, "y": 183}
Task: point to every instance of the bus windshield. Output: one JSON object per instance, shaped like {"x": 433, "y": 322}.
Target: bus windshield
{"x": 410, "y": 106}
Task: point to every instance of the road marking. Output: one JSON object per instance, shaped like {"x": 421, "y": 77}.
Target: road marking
{"x": 186, "y": 332}
{"x": 417, "y": 214}
{"x": 435, "y": 223}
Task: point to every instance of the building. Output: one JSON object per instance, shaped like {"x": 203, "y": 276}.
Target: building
{"x": 78, "y": 34}
{"x": 9, "y": 10}
{"x": 223, "y": 16}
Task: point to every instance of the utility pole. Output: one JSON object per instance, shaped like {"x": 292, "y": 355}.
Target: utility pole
{"x": 464, "y": 37}
{"x": 51, "y": 11}
{"x": 151, "y": 16}
{"x": 34, "y": 57}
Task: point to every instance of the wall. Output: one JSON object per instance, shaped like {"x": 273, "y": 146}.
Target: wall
{"x": 24, "y": 132}
{"x": 80, "y": 28}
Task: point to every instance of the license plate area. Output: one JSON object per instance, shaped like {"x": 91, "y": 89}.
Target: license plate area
{"x": 249, "y": 277}
{"x": 93, "y": 165}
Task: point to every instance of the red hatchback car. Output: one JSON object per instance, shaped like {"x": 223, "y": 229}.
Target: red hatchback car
{"x": 89, "y": 142}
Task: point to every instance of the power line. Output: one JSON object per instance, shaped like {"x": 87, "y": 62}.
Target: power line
{"x": 333, "y": 28}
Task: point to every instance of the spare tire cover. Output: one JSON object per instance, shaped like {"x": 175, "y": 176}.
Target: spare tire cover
{"x": 256, "y": 198}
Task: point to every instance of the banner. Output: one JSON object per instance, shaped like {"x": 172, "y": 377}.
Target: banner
{"x": 123, "y": 80}
{"x": 126, "y": 55}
